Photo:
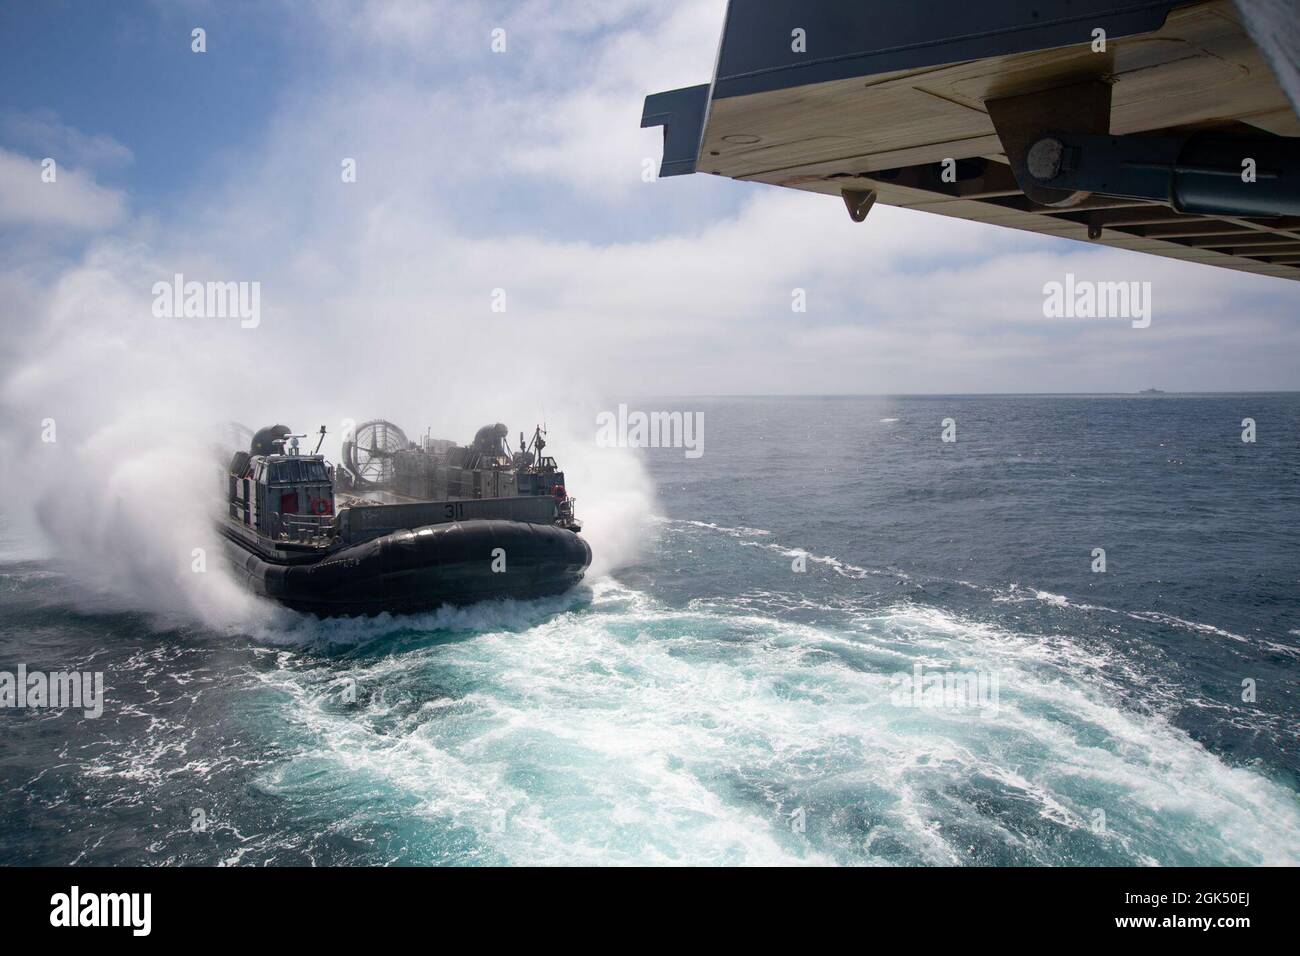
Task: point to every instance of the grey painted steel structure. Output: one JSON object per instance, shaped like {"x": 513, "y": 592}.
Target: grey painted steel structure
{"x": 857, "y": 39}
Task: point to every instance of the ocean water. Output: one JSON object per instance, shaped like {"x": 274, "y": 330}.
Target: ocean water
{"x": 712, "y": 704}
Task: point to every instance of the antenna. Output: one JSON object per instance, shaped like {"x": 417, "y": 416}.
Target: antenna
{"x": 320, "y": 441}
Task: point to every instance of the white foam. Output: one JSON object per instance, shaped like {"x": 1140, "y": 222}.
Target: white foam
{"x": 633, "y": 732}
{"x": 842, "y": 568}
{"x": 737, "y": 532}
{"x": 1169, "y": 619}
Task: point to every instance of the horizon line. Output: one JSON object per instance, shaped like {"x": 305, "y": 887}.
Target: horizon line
{"x": 1138, "y": 394}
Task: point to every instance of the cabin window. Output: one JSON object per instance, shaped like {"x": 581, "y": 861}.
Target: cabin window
{"x": 296, "y": 471}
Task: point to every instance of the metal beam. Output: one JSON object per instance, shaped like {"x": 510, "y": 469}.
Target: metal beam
{"x": 1255, "y": 252}
{"x": 1180, "y": 231}
{"x": 1251, "y": 239}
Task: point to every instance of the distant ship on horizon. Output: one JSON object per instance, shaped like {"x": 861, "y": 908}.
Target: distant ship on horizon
{"x": 1152, "y": 391}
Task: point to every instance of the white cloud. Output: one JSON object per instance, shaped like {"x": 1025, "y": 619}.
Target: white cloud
{"x": 563, "y": 103}
{"x": 41, "y": 131}
{"x": 73, "y": 201}
{"x": 590, "y": 135}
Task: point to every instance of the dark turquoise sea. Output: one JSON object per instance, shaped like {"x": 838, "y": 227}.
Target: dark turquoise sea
{"x": 781, "y": 673}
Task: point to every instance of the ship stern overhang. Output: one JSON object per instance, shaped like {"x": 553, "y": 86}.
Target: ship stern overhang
{"x": 938, "y": 107}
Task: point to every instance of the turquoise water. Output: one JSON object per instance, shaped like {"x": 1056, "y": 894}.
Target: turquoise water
{"x": 708, "y": 704}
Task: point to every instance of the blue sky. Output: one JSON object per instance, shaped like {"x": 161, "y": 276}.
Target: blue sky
{"x": 520, "y": 171}
{"x": 125, "y": 70}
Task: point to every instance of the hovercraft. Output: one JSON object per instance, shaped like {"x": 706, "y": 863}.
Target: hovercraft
{"x": 420, "y": 526}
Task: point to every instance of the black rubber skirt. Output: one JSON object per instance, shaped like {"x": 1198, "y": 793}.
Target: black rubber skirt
{"x": 424, "y": 568}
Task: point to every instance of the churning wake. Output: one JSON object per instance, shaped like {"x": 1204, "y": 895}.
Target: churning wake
{"x": 609, "y": 727}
